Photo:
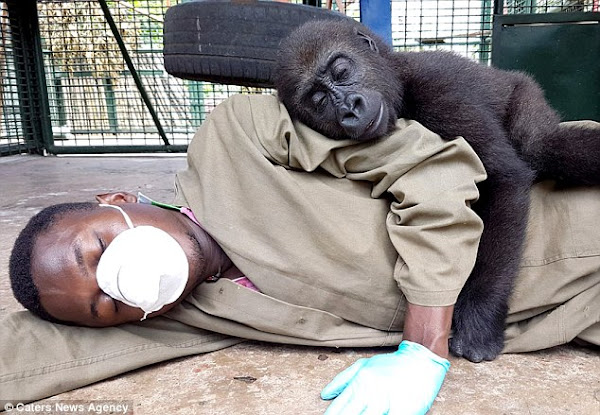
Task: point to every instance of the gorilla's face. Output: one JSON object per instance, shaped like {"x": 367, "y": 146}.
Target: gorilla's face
{"x": 334, "y": 78}
{"x": 338, "y": 103}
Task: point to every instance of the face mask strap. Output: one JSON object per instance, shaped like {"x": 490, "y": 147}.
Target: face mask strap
{"x": 125, "y": 215}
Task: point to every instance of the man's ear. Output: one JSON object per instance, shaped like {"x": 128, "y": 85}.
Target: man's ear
{"x": 116, "y": 198}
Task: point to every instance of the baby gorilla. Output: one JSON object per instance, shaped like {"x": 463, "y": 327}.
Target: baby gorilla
{"x": 341, "y": 80}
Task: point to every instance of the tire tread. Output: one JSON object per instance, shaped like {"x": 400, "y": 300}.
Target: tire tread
{"x": 231, "y": 43}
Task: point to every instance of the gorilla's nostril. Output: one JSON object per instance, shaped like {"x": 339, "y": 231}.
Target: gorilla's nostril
{"x": 349, "y": 119}
{"x": 355, "y": 101}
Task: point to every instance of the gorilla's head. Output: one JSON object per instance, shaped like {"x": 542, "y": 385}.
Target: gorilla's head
{"x": 337, "y": 77}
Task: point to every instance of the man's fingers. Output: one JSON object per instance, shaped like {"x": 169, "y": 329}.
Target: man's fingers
{"x": 339, "y": 383}
{"x": 347, "y": 403}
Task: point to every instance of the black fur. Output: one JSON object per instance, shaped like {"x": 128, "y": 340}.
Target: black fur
{"x": 341, "y": 80}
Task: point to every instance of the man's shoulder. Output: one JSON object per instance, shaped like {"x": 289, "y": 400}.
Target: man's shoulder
{"x": 252, "y": 103}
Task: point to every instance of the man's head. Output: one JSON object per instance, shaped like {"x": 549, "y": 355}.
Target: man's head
{"x": 53, "y": 263}
{"x": 21, "y": 279}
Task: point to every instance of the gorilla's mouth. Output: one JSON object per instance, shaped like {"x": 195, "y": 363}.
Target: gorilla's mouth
{"x": 374, "y": 124}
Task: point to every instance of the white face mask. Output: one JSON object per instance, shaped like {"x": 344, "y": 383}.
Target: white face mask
{"x": 143, "y": 267}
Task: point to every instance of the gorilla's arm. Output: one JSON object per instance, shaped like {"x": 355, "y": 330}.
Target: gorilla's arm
{"x": 482, "y": 305}
{"x": 503, "y": 206}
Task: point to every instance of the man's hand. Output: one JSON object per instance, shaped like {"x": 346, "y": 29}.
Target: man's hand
{"x": 404, "y": 382}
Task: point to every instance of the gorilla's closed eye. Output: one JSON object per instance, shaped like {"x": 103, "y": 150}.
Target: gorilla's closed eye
{"x": 340, "y": 70}
{"x": 319, "y": 100}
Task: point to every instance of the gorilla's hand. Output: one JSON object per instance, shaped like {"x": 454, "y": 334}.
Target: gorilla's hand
{"x": 477, "y": 337}
{"x": 404, "y": 382}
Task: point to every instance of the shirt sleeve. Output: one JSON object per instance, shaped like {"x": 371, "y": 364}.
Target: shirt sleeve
{"x": 430, "y": 183}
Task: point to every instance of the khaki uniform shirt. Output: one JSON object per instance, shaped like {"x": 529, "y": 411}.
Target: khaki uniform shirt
{"x": 241, "y": 187}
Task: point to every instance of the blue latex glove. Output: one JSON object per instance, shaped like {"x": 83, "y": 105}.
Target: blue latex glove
{"x": 404, "y": 382}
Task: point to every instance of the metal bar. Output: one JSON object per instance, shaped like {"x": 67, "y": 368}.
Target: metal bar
{"x": 19, "y": 37}
{"x": 498, "y": 7}
{"x": 31, "y": 78}
{"x": 377, "y": 15}
{"x": 571, "y": 17}
{"x": 172, "y": 148}
{"x": 316, "y": 3}
{"x": 14, "y": 148}
{"x": 134, "y": 73}
{"x": 43, "y": 111}
{"x": 196, "y": 100}
{"x": 60, "y": 102}
{"x": 486, "y": 27}
{"x": 111, "y": 105}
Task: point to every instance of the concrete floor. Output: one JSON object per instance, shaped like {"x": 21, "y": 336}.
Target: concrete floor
{"x": 255, "y": 378}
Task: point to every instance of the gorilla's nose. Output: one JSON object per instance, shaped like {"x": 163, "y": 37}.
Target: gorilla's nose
{"x": 350, "y": 113}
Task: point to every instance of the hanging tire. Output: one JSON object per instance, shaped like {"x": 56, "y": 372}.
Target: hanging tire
{"x": 231, "y": 43}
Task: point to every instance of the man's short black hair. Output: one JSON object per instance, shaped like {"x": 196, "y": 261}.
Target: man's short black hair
{"x": 21, "y": 280}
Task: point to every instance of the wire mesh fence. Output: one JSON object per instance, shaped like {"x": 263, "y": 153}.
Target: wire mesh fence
{"x": 12, "y": 129}
{"x": 462, "y": 26}
{"x": 548, "y": 6}
{"x": 93, "y": 97}
{"x": 94, "y": 101}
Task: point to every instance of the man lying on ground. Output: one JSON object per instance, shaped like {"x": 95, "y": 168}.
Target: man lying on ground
{"x": 286, "y": 236}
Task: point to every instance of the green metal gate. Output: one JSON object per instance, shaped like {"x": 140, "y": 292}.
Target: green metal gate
{"x": 558, "y": 43}
{"x": 19, "y": 131}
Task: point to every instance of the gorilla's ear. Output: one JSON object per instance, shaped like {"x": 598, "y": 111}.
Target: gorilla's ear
{"x": 368, "y": 39}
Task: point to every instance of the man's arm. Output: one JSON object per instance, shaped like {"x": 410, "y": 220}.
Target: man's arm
{"x": 429, "y": 326}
